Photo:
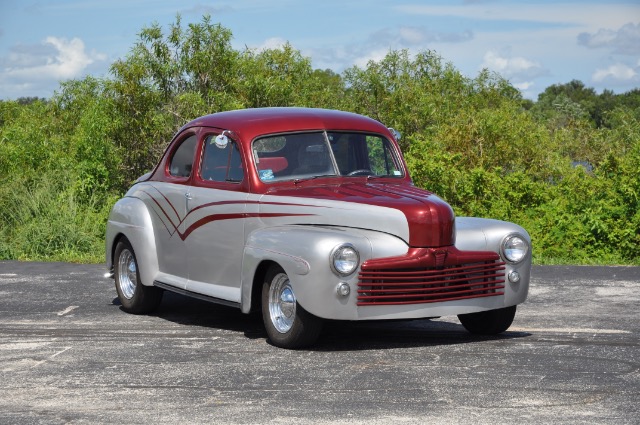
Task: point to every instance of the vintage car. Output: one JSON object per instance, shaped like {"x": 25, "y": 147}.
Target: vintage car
{"x": 305, "y": 215}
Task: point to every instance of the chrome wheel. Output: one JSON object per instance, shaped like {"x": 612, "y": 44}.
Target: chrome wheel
{"x": 127, "y": 273}
{"x": 282, "y": 303}
{"x": 287, "y": 323}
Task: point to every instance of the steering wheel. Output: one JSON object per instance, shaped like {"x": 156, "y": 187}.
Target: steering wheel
{"x": 361, "y": 172}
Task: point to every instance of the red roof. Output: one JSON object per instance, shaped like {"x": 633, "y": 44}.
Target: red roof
{"x": 250, "y": 123}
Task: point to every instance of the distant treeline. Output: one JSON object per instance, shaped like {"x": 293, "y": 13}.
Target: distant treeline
{"x": 566, "y": 167}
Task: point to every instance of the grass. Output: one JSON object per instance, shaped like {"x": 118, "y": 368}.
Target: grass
{"x": 44, "y": 221}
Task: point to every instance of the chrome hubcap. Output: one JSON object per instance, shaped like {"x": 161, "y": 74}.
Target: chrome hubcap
{"x": 282, "y": 303}
{"x": 127, "y": 276}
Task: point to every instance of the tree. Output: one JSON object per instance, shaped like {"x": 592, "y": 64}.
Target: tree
{"x": 274, "y": 77}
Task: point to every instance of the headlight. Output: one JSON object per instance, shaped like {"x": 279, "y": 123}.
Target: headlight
{"x": 514, "y": 248}
{"x": 344, "y": 259}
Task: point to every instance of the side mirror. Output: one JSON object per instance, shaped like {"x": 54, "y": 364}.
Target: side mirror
{"x": 221, "y": 141}
{"x": 395, "y": 133}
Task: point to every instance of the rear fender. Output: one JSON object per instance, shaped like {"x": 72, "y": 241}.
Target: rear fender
{"x": 130, "y": 218}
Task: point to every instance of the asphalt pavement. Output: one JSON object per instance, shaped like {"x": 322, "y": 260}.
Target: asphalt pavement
{"x": 70, "y": 355}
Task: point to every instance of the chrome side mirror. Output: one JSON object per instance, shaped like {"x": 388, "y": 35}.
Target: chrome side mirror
{"x": 395, "y": 133}
{"x": 221, "y": 141}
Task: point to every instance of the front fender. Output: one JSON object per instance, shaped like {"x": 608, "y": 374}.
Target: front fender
{"x": 483, "y": 234}
{"x": 130, "y": 217}
{"x": 304, "y": 254}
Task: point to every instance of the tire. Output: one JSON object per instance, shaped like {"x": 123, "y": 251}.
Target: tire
{"x": 288, "y": 325}
{"x": 490, "y": 322}
{"x": 134, "y": 297}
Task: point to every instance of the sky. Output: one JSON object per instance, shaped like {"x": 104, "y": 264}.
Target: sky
{"x": 532, "y": 43}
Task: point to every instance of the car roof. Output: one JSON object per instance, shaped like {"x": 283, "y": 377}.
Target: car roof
{"x": 251, "y": 123}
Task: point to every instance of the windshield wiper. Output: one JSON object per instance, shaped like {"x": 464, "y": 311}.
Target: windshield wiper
{"x": 296, "y": 181}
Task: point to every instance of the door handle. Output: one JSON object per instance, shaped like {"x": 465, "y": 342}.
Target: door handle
{"x": 188, "y": 196}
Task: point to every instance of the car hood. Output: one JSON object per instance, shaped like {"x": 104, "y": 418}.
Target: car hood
{"x": 428, "y": 219}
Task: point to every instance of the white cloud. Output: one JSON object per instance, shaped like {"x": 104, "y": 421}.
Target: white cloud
{"x": 411, "y": 35}
{"x": 376, "y": 45}
{"x": 618, "y": 72}
{"x": 524, "y": 86}
{"x": 625, "y": 40}
{"x": 526, "y": 89}
{"x": 375, "y": 55}
{"x": 408, "y": 36}
{"x": 55, "y": 59}
{"x": 31, "y": 70}
{"x": 518, "y": 68}
{"x": 271, "y": 43}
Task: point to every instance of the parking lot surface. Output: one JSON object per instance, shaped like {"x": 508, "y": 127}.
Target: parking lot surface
{"x": 69, "y": 354}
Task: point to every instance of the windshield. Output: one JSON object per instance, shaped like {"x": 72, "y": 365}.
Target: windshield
{"x": 299, "y": 156}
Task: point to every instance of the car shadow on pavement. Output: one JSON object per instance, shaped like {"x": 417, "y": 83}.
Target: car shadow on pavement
{"x": 355, "y": 336}
{"x": 189, "y": 311}
{"x": 336, "y": 335}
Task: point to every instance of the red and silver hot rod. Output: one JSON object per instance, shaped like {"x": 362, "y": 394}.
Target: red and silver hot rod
{"x": 305, "y": 215}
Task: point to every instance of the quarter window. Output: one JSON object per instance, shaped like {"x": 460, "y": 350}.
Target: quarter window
{"x": 182, "y": 160}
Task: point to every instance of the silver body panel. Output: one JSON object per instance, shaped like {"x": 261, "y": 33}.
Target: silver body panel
{"x": 220, "y": 258}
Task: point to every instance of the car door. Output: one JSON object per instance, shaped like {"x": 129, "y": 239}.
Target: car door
{"x": 166, "y": 198}
{"x": 215, "y": 220}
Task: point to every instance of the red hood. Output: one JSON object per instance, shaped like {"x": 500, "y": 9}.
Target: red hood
{"x": 430, "y": 219}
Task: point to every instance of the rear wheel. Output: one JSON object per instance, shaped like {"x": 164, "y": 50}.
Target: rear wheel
{"x": 288, "y": 325}
{"x": 135, "y": 297}
{"x": 488, "y": 322}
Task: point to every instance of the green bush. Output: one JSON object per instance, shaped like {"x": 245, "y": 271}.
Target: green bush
{"x": 44, "y": 220}
{"x": 567, "y": 167}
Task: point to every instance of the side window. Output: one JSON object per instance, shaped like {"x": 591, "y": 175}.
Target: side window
{"x": 221, "y": 164}
{"x": 366, "y": 153}
{"x": 182, "y": 160}
{"x": 381, "y": 157}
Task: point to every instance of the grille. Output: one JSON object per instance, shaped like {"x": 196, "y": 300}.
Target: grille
{"x": 449, "y": 282}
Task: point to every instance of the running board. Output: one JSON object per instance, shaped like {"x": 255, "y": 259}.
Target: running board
{"x": 181, "y": 291}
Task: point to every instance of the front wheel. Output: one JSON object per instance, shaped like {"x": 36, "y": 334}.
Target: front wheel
{"x": 288, "y": 325}
{"x": 488, "y": 322}
{"x": 134, "y": 297}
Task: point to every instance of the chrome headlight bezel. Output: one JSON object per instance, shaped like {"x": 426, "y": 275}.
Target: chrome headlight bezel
{"x": 514, "y": 248}
{"x": 344, "y": 259}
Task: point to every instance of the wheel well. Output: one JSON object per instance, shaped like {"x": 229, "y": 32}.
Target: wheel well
{"x": 258, "y": 280}
{"x": 116, "y": 240}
